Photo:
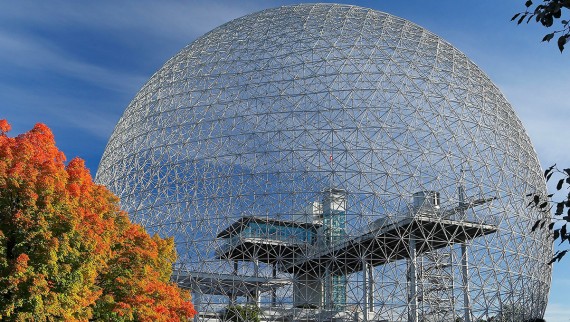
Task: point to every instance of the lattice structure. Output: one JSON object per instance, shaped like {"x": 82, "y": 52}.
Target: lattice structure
{"x": 330, "y": 162}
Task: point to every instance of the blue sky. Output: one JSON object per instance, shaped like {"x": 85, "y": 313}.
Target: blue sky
{"x": 76, "y": 65}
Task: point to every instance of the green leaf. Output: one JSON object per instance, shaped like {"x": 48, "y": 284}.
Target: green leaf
{"x": 521, "y": 19}
{"x": 562, "y": 254}
{"x": 530, "y": 204}
{"x": 548, "y": 37}
{"x": 561, "y": 43}
{"x": 552, "y": 261}
{"x": 547, "y": 20}
{"x": 560, "y": 183}
{"x": 535, "y": 225}
{"x": 515, "y": 16}
{"x": 559, "y": 208}
{"x": 558, "y": 256}
{"x": 547, "y": 172}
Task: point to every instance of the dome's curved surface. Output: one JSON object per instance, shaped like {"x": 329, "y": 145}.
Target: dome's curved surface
{"x": 344, "y": 113}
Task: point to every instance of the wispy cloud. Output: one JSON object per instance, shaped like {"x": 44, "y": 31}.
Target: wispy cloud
{"x": 132, "y": 23}
{"x": 169, "y": 19}
{"x": 41, "y": 64}
{"x": 57, "y": 110}
{"x": 557, "y": 312}
{"x": 34, "y": 53}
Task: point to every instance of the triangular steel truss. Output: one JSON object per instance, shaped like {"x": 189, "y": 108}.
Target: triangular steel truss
{"x": 282, "y": 151}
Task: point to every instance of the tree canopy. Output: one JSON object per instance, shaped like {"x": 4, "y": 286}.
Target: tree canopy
{"x": 547, "y": 13}
{"x": 67, "y": 251}
{"x": 241, "y": 313}
{"x": 558, "y": 224}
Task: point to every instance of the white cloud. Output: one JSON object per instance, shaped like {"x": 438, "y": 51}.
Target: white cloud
{"x": 557, "y": 312}
{"x": 131, "y": 21}
{"x": 164, "y": 18}
{"x": 33, "y": 53}
{"x": 57, "y": 110}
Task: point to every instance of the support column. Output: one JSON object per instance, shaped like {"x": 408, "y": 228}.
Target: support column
{"x": 233, "y": 298}
{"x": 412, "y": 285}
{"x": 464, "y": 258}
{"x": 256, "y": 294}
{"x": 465, "y": 273}
{"x": 197, "y": 299}
{"x": 365, "y": 290}
{"x": 370, "y": 287}
{"x": 327, "y": 290}
{"x": 274, "y": 291}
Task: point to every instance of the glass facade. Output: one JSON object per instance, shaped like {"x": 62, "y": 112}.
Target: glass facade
{"x": 273, "y": 231}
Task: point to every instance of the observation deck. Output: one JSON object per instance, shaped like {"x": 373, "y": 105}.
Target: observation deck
{"x": 302, "y": 248}
{"x": 388, "y": 243}
{"x": 377, "y": 247}
{"x": 222, "y": 284}
{"x": 266, "y": 240}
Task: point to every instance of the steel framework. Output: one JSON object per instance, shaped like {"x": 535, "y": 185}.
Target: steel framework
{"x": 331, "y": 162}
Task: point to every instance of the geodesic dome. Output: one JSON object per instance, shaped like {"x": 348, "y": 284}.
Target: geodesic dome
{"x": 330, "y": 162}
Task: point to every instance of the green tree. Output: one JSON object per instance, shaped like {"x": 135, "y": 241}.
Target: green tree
{"x": 67, "y": 251}
{"x": 242, "y": 313}
{"x": 547, "y": 13}
{"x": 557, "y": 224}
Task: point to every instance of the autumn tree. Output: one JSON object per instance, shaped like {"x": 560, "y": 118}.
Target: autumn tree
{"x": 67, "y": 251}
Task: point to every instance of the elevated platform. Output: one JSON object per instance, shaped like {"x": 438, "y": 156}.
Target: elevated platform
{"x": 227, "y": 284}
{"x": 265, "y": 239}
{"x": 388, "y": 243}
{"x": 266, "y": 250}
{"x": 302, "y": 248}
{"x": 378, "y": 246}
